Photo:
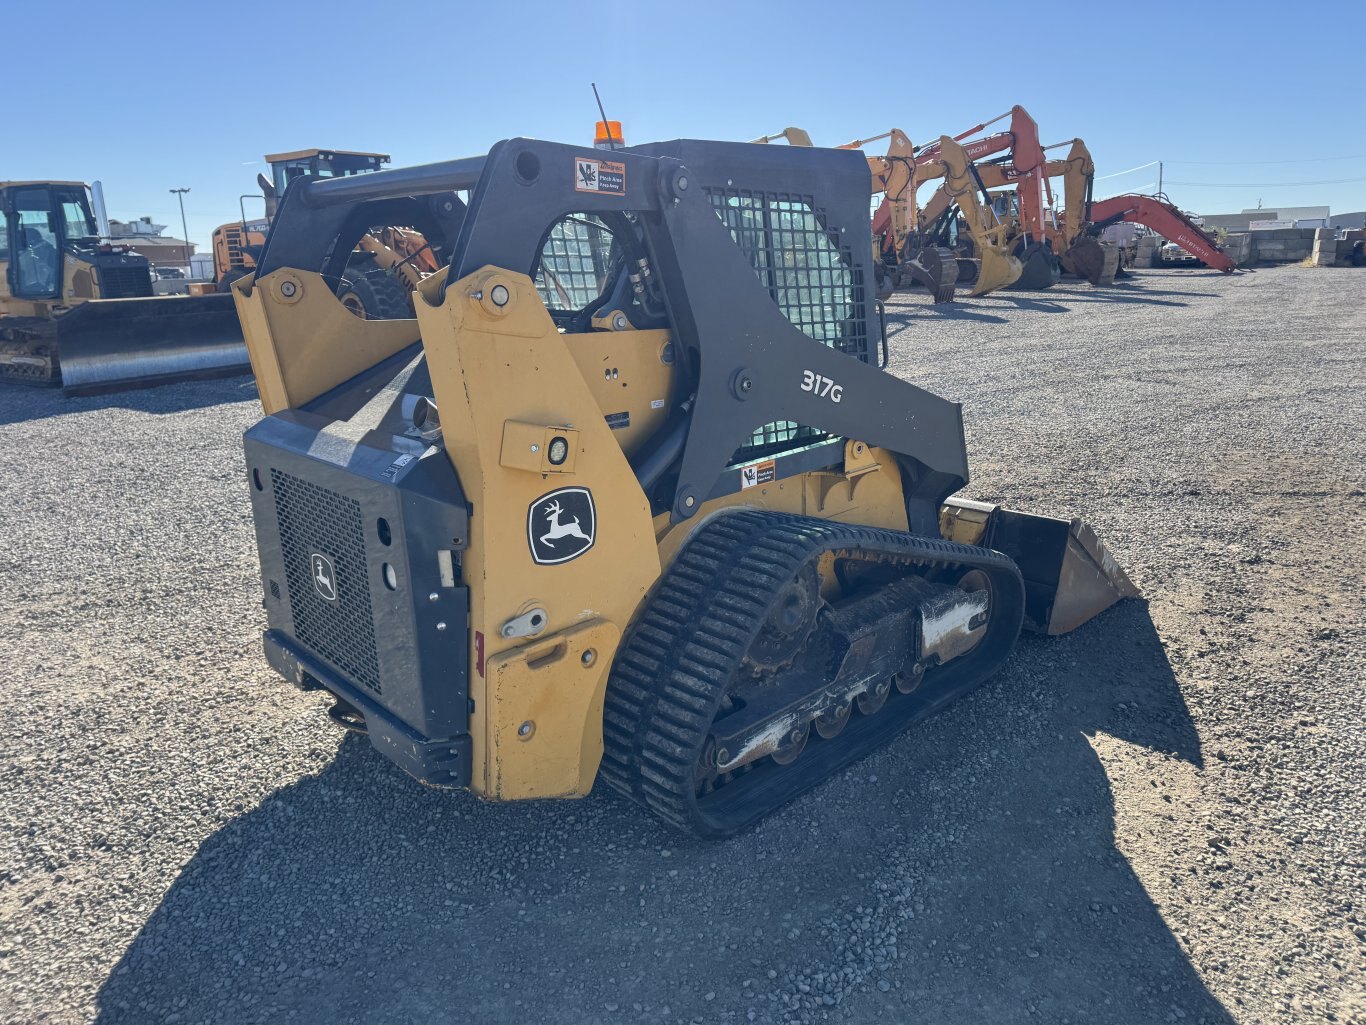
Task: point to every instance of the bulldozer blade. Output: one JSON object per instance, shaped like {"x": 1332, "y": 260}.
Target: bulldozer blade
{"x": 1090, "y": 259}
{"x": 114, "y": 344}
{"x": 1040, "y": 269}
{"x": 1069, "y": 575}
{"x": 995, "y": 270}
{"x": 937, "y": 269}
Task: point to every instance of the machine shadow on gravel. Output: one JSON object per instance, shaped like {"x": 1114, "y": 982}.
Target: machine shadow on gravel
{"x": 899, "y": 318}
{"x": 19, "y": 404}
{"x": 970, "y": 868}
{"x": 1063, "y": 303}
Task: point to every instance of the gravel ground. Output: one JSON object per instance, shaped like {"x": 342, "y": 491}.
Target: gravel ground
{"x": 1157, "y": 818}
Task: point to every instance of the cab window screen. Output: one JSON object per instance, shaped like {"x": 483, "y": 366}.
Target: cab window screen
{"x": 79, "y": 223}
{"x": 810, "y": 277}
{"x": 37, "y": 256}
{"x": 577, "y": 263}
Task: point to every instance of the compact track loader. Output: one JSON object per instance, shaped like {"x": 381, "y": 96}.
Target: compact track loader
{"x": 630, "y": 499}
{"x": 78, "y": 311}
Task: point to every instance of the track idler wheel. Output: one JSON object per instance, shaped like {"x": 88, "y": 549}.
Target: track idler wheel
{"x": 909, "y": 679}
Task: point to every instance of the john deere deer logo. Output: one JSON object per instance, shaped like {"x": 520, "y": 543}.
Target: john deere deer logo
{"x": 324, "y": 577}
{"x": 561, "y": 525}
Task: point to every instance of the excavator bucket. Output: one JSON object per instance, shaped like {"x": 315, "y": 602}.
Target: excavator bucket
{"x": 995, "y": 270}
{"x": 1069, "y": 575}
{"x": 1088, "y": 258}
{"x": 1041, "y": 268}
{"x": 936, "y": 268}
{"x": 114, "y": 344}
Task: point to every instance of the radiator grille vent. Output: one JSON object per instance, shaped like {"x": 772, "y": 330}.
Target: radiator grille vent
{"x": 321, "y": 530}
{"x": 125, "y": 282}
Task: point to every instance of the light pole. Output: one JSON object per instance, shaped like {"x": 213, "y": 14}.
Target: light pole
{"x": 185, "y": 232}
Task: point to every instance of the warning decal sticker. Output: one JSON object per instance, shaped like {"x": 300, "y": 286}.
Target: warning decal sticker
{"x": 758, "y": 473}
{"x": 593, "y": 175}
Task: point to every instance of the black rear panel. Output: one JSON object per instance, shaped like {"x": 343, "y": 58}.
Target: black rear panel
{"x": 342, "y": 630}
{"x": 361, "y": 534}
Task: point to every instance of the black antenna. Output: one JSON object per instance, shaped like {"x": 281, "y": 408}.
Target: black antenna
{"x": 606, "y": 125}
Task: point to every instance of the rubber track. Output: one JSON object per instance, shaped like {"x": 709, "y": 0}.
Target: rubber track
{"x": 671, "y": 674}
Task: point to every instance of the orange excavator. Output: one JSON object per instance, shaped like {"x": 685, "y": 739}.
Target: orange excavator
{"x": 915, "y": 241}
{"x": 900, "y": 253}
{"x": 1027, "y": 167}
{"x": 1165, "y": 219}
{"x": 1076, "y": 237}
{"x": 897, "y": 256}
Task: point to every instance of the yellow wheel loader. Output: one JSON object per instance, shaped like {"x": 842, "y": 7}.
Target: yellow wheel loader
{"x": 386, "y": 265}
{"x": 78, "y": 311}
{"x": 631, "y": 498}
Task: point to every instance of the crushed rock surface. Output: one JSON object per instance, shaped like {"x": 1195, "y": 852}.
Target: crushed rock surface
{"x": 1158, "y": 818}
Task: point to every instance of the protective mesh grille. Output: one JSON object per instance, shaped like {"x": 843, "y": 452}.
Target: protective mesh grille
{"x": 810, "y": 276}
{"x": 125, "y": 282}
{"x": 316, "y": 521}
{"x": 575, "y": 262}
{"x": 806, "y": 270}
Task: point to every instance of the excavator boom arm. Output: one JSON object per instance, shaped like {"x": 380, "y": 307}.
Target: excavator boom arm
{"x": 1167, "y": 221}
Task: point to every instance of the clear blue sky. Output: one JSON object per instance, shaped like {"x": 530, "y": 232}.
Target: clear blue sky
{"x": 150, "y": 95}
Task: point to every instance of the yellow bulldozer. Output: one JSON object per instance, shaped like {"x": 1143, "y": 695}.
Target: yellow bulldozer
{"x": 78, "y": 310}
{"x": 631, "y": 498}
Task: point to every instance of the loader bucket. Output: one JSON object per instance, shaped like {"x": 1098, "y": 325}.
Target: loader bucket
{"x": 995, "y": 270}
{"x": 1069, "y": 575}
{"x": 115, "y": 344}
{"x": 1088, "y": 258}
{"x": 936, "y": 268}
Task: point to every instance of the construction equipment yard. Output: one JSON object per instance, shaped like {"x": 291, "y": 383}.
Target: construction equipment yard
{"x": 1156, "y": 818}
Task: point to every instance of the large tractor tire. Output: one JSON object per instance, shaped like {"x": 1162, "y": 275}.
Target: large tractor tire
{"x": 225, "y": 283}
{"x": 372, "y": 293}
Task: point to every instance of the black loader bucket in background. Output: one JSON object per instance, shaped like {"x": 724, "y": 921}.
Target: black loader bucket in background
{"x": 1089, "y": 258}
{"x": 1040, "y": 268}
{"x": 114, "y": 344}
{"x": 1069, "y": 575}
